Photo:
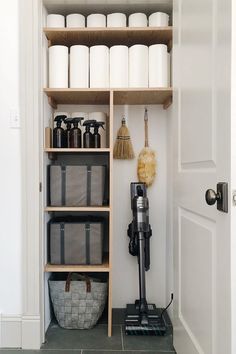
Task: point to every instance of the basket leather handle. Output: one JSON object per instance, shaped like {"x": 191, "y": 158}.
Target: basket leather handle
{"x": 81, "y": 277}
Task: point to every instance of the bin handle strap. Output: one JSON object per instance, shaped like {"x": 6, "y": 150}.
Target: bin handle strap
{"x": 81, "y": 277}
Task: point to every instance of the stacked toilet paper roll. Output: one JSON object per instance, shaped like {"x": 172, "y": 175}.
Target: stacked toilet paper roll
{"x": 119, "y": 66}
{"x": 158, "y": 66}
{"x": 79, "y": 66}
{"x": 158, "y": 19}
{"x": 54, "y": 20}
{"x": 58, "y": 66}
{"x": 138, "y": 20}
{"x": 116, "y": 20}
{"x": 138, "y": 66}
{"x": 75, "y": 20}
{"x": 101, "y": 117}
{"x": 99, "y": 66}
{"x": 96, "y": 20}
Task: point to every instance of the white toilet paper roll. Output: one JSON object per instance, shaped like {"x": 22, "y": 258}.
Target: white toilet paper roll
{"x": 79, "y": 66}
{"x": 169, "y": 69}
{"x": 75, "y": 20}
{"x": 54, "y": 20}
{"x": 116, "y": 20}
{"x": 101, "y": 117}
{"x": 119, "y": 66}
{"x": 99, "y": 66}
{"x": 80, "y": 114}
{"x": 96, "y": 20}
{"x": 58, "y": 66}
{"x": 138, "y": 66}
{"x": 158, "y": 19}
{"x": 138, "y": 20}
{"x": 158, "y": 66}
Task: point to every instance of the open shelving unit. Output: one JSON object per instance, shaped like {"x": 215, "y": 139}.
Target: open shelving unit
{"x": 132, "y": 96}
{"x": 102, "y": 96}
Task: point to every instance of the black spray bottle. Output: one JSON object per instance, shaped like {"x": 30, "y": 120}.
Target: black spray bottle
{"x": 88, "y": 141}
{"x": 59, "y": 138}
{"x": 96, "y": 135}
{"x": 68, "y": 122}
{"x": 75, "y": 133}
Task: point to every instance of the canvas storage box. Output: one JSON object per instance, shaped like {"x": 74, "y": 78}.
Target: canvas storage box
{"x": 74, "y": 241}
{"x": 77, "y": 185}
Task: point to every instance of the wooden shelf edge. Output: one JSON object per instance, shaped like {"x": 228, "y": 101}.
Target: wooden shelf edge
{"x": 77, "y": 268}
{"x": 87, "y": 209}
{"x": 106, "y": 29}
{"x": 82, "y": 150}
{"x": 49, "y": 90}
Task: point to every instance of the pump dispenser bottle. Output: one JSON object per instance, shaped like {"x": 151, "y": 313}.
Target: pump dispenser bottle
{"x": 75, "y": 133}
{"x": 88, "y": 141}
{"x": 96, "y": 135}
{"x": 59, "y": 138}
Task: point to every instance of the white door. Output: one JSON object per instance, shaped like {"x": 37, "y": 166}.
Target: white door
{"x": 202, "y": 159}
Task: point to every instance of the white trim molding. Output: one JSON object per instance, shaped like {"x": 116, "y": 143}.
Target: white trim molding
{"x": 31, "y": 336}
{"x": 10, "y": 326}
{"x": 30, "y": 81}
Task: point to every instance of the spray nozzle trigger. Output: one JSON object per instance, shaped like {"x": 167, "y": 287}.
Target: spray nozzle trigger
{"x": 77, "y": 120}
{"x": 99, "y": 125}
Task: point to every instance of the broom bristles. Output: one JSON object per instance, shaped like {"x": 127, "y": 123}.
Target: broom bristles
{"x": 123, "y": 148}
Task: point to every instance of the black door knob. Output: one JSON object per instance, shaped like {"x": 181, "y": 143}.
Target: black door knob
{"x": 211, "y": 196}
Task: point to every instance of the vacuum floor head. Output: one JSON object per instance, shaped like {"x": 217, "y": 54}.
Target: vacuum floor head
{"x": 133, "y": 324}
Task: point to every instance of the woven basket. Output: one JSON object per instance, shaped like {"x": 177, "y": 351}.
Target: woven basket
{"x": 78, "y": 304}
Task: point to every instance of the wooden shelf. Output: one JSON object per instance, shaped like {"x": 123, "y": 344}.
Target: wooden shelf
{"x": 101, "y": 96}
{"x": 104, "y": 267}
{"x": 109, "y": 36}
{"x": 75, "y": 150}
{"x": 142, "y": 96}
{"x": 77, "y": 96}
{"x": 87, "y": 208}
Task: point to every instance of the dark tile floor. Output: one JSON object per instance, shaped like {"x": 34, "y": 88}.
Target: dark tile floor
{"x": 95, "y": 341}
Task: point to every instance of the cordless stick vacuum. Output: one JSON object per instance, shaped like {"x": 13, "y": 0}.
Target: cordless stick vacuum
{"x": 141, "y": 318}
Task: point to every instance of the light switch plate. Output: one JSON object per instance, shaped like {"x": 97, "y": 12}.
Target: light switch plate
{"x": 14, "y": 119}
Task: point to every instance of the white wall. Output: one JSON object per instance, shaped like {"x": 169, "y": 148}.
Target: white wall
{"x": 125, "y": 267}
{"x": 10, "y": 176}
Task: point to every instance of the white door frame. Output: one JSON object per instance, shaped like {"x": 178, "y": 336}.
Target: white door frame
{"x": 30, "y": 107}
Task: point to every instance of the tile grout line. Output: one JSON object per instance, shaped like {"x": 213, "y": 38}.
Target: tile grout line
{"x": 122, "y": 339}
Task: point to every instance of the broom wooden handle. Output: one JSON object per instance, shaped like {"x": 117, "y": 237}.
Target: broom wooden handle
{"x": 146, "y": 128}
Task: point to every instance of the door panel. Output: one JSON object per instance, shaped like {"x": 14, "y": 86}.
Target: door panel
{"x": 201, "y": 122}
{"x": 196, "y": 275}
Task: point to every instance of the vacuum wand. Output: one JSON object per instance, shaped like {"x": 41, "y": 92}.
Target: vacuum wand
{"x": 141, "y": 317}
{"x": 140, "y": 232}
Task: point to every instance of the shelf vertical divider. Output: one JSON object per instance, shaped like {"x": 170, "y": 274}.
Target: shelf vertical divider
{"x": 111, "y": 114}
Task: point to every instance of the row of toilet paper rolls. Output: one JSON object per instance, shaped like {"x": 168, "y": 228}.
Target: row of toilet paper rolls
{"x": 157, "y": 19}
{"x": 98, "y": 116}
{"x": 101, "y": 67}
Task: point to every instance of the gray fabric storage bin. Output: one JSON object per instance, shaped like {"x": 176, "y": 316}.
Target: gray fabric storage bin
{"x": 76, "y": 242}
{"x": 74, "y": 185}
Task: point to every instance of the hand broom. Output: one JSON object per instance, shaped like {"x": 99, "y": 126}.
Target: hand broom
{"x": 147, "y": 159}
{"x": 123, "y": 148}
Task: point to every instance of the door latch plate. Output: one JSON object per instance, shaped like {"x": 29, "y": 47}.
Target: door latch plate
{"x": 222, "y": 201}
